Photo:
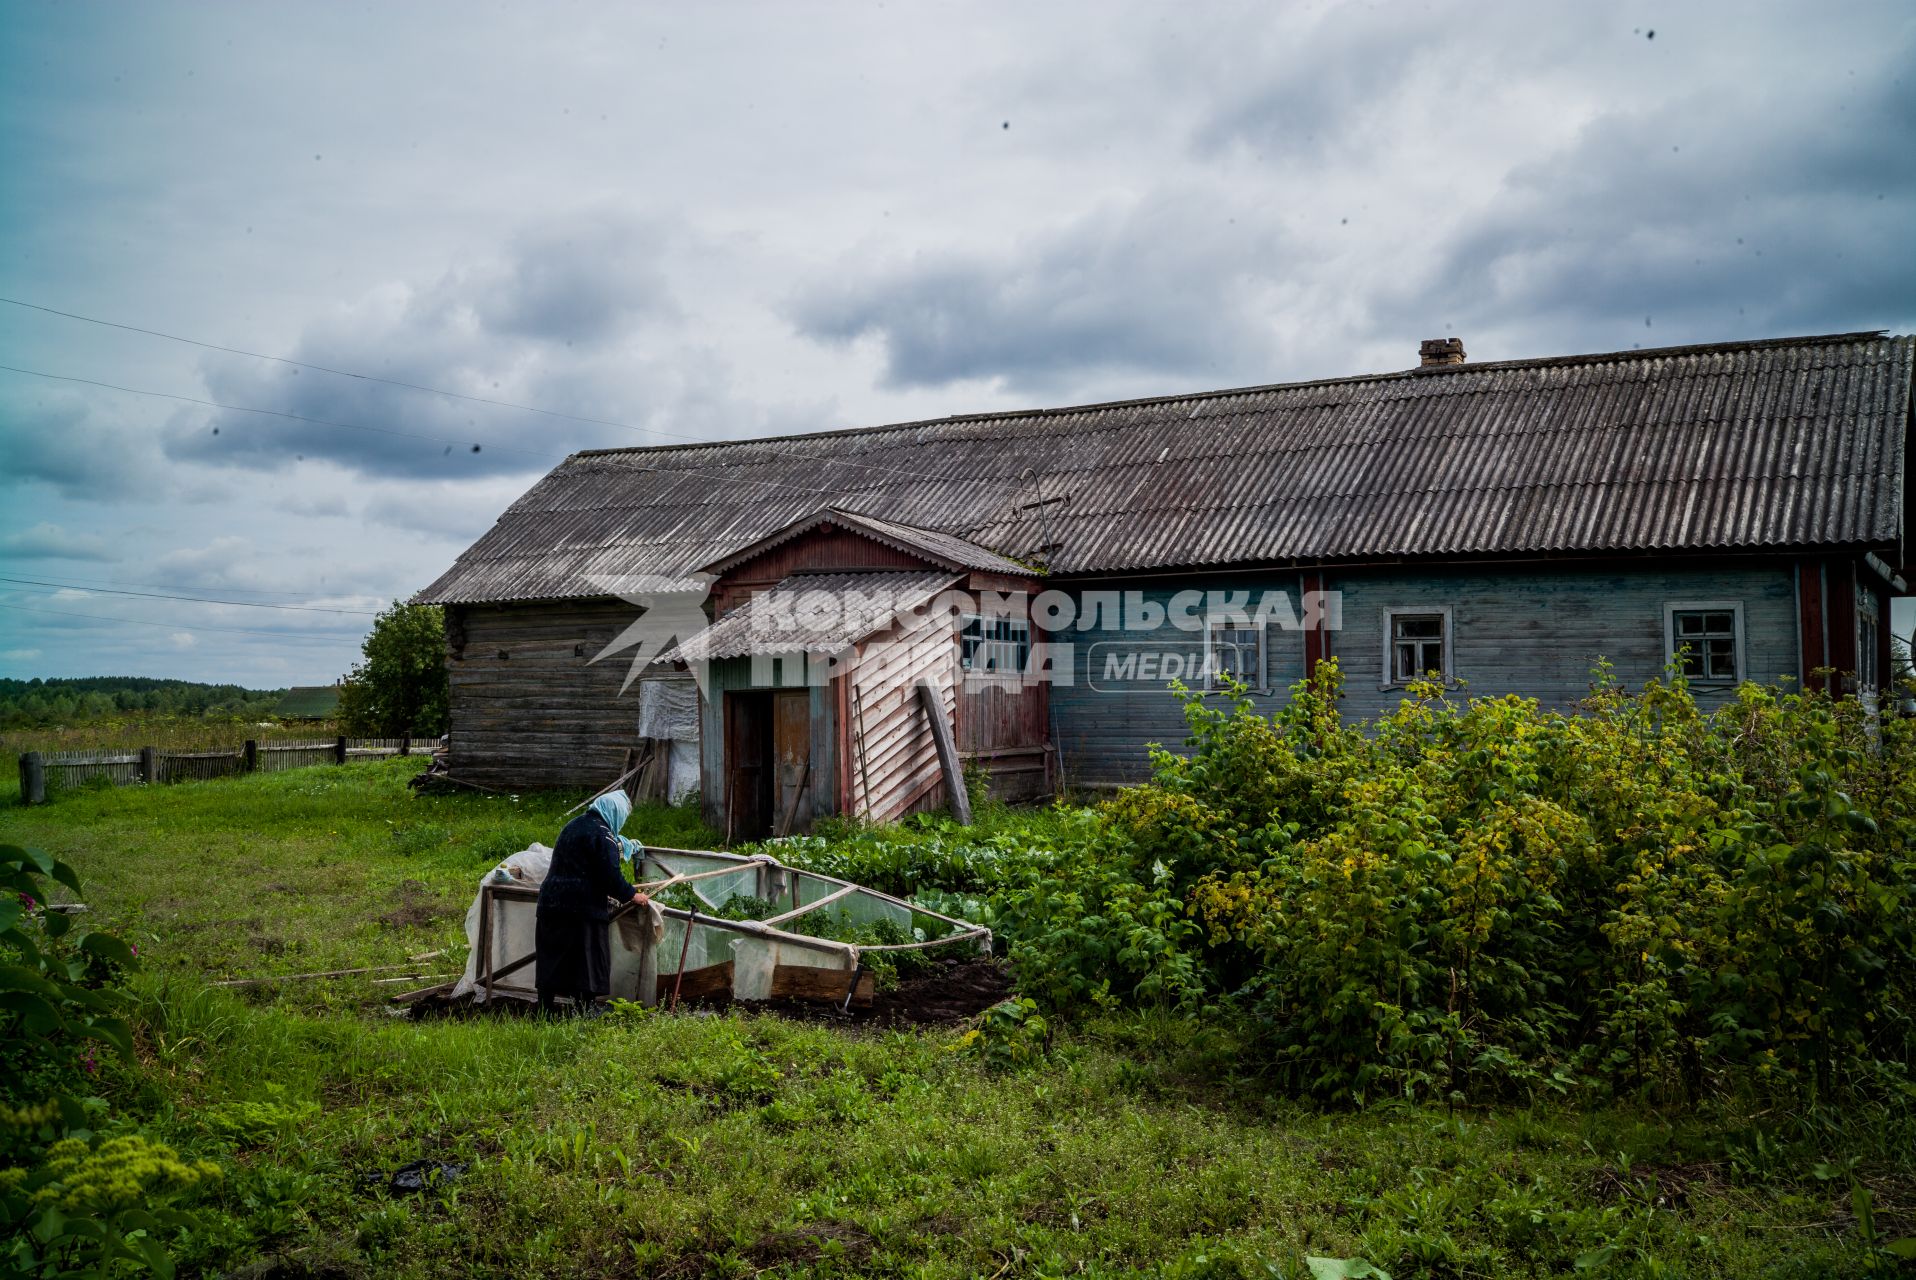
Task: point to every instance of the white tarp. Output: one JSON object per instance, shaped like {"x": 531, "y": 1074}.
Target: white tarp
{"x": 669, "y": 709}
{"x": 512, "y": 931}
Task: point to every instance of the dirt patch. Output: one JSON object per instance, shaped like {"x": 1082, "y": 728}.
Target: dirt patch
{"x": 1666, "y": 1186}
{"x": 942, "y": 1223}
{"x": 415, "y": 906}
{"x": 847, "y": 1240}
{"x": 328, "y": 1263}
{"x": 955, "y": 991}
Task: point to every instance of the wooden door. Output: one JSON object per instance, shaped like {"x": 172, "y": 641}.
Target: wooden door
{"x": 791, "y": 760}
{"x": 748, "y": 781}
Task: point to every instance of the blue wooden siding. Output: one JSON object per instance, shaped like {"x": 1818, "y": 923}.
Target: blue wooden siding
{"x": 1535, "y": 632}
{"x": 1101, "y": 726}
{"x": 1540, "y": 632}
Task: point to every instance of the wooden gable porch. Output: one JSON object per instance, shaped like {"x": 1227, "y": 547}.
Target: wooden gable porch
{"x": 837, "y": 657}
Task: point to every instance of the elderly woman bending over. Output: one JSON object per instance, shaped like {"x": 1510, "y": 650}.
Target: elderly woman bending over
{"x": 576, "y": 900}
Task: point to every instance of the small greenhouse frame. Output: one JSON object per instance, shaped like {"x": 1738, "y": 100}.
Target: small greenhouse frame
{"x": 664, "y": 954}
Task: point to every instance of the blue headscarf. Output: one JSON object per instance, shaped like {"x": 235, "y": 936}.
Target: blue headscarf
{"x": 615, "y": 808}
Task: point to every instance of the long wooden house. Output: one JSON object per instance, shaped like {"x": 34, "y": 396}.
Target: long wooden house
{"x": 1737, "y": 511}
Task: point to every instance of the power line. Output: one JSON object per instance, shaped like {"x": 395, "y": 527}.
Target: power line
{"x": 458, "y": 395}
{"x": 320, "y": 368}
{"x": 351, "y": 426}
{"x": 271, "y": 413}
{"x": 83, "y": 583}
{"x": 180, "y": 626}
{"x": 155, "y": 595}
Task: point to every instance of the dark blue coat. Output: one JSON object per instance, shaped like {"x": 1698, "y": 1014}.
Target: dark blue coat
{"x": 585, "y": 871}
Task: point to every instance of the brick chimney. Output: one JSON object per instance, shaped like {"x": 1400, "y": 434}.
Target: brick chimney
{"x": 1441, "y": 351}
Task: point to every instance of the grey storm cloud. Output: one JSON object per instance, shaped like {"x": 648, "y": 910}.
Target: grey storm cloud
{"x": 48, "y": 541}
{"x": 540, "y": 324}
{"x": 1163, "y": 286}
{"x": 1700, "y": 219}
{"x": 582, "y": 282}
{"x": 1326, "y": 87}
{"x": 77, "y": 447}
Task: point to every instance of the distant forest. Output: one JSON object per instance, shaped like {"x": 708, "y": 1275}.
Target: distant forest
{"x": 36, "y": 704}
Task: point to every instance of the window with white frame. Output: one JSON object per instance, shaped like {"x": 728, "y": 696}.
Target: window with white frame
{"x": 994, "y": 646}
{"x": 1704, "y": 640}
{"x": 1416, "y": 645}
{"x": 1233, "y": 651}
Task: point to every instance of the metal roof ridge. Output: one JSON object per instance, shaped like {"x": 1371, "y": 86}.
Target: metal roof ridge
{"x": 1452, "y": 370}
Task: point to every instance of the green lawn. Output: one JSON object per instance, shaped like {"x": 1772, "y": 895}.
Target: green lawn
{"x": 742, "y": 1145}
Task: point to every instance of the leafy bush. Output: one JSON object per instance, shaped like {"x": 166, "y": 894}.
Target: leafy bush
{"x": 1009, "y": 1035}
{"x": 55, "y": 1004}
{"x": 90, "y": 1204}
{"x": 1480, "y": 898}
{"x": 1474, "y": 898}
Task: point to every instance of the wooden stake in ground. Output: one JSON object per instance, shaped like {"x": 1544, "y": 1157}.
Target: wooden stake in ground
{"x": 33, "y": 778}
{"x": 934, "y": 706}
{"x": 299, "y": 977}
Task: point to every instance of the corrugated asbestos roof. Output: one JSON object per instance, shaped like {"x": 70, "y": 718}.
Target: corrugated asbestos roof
{"x": 1735, "y": 446}
{"x": 813, "y": 613}
{"x": 927, "y": 544}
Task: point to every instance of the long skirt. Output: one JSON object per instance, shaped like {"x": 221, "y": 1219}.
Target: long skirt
{"x": 574, "y": 956}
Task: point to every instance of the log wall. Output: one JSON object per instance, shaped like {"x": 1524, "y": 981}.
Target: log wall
{"x": 530, "y": 709}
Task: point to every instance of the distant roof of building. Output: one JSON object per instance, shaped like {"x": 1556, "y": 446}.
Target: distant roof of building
{"x": 1776, "y": 444}
{"x": 309, "y": 702}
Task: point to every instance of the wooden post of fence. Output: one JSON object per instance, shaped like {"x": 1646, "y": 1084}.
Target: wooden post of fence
{"x": 339, "y": 750}
{"x": 149, "y": 765}
{"x": 33, "y": 778}
{"x": 405, "y": 744}
{"x": 251, "y": 764}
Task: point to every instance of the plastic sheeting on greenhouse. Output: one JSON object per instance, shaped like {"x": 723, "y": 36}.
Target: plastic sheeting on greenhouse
{"x": 808, "y": 945}
{"x": 513, "y": 933}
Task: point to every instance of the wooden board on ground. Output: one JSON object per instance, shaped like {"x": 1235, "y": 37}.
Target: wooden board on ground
{"x": 700, "y": 984}
{"x": 803, "y": 982}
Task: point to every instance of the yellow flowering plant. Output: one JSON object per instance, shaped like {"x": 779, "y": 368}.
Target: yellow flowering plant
{"x": 72, "y": 1201}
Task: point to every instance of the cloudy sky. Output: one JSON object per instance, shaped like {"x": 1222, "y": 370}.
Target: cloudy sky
{"x": 724, "y": 220}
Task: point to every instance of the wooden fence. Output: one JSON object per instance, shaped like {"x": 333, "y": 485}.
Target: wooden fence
{"x": 62, "y": 769}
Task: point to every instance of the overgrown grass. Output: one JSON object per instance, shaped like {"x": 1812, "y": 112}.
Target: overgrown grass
{"x": 331, "y": 867}
{"x": 169, "y": 733}
{"x": 743, "y": 1145}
